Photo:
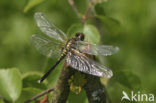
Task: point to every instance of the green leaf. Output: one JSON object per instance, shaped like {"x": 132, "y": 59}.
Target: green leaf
{"x": 28, "y": 93}
{"x": 10, "y": 84}
{"x": 30, "y": 80}
{"x": 111, "y": 25}
{"x": 127, "y": 79}
{"x": 31, "y": 4}
{"x": 76, "y": 82}
{"x": 91, "y": 33}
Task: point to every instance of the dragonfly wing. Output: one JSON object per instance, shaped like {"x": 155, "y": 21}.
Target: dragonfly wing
{"x": 94, "y": 49}
{"x": 49, "y": 29}
{"x": 82, "y": 63}
{"x": 50, "y": 48}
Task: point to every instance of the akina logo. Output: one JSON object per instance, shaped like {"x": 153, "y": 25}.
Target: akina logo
{"x": 137, "y": 96}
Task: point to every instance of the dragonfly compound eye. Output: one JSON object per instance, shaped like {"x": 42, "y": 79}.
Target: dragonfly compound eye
{"x": 80, "y": 36}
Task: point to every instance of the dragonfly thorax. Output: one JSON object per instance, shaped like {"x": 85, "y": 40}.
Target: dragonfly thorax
{"x": 72, "y": 42}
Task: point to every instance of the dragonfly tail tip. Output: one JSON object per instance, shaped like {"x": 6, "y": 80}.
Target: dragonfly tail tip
{"x": 39, "y": 81}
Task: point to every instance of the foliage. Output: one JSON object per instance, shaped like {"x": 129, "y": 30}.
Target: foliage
{"x": 10, "y": 83}
{"x": 76, "y": 82}
{"x": 127, "y": 24}
{"x": 31, "y": 4}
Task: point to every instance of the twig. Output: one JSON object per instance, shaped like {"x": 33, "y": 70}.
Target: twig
{"x": 71, "y": 2}
{"x": 95, "y": 91}
{"x": 39, "y": 95}
{"x": 62, "y": 89}
{"x": 43, "y": 100}
{"x": 86, "y": 15}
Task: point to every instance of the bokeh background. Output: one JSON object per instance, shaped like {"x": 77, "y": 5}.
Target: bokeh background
{"x": 134, "y": 66}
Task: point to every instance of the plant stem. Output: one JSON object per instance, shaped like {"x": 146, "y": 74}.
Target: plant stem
{"x": 95, "y": 91}
{"x": 71, "y": 2}
{"x": 86, "y": 15}
{"x": 39, "y": 95}
{"x": 62, "y": 89}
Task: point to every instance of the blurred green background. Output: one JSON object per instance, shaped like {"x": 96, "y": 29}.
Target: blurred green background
{"x": 134, "y": 66}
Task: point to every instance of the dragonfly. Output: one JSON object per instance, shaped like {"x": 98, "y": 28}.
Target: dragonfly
{"x": 56, "y": 44}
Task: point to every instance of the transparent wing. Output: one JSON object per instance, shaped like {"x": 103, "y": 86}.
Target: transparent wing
{"x": 94, "y": 49}
{"x": 50, "y": 48}
{"x": 49, "y": 29}
{"x": 82, "y": 63}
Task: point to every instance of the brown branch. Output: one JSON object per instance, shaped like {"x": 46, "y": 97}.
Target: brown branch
{"x": 86, "y": 15}
{"x": 44, "y": 100}
{"x": 95, "y": 91}
{"x": 62, "y": 89}
{"x": 71, "y": 2}
{"x": 39, "y": 95}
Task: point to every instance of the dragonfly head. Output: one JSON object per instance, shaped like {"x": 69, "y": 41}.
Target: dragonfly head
{"x": 79, "y": 36}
